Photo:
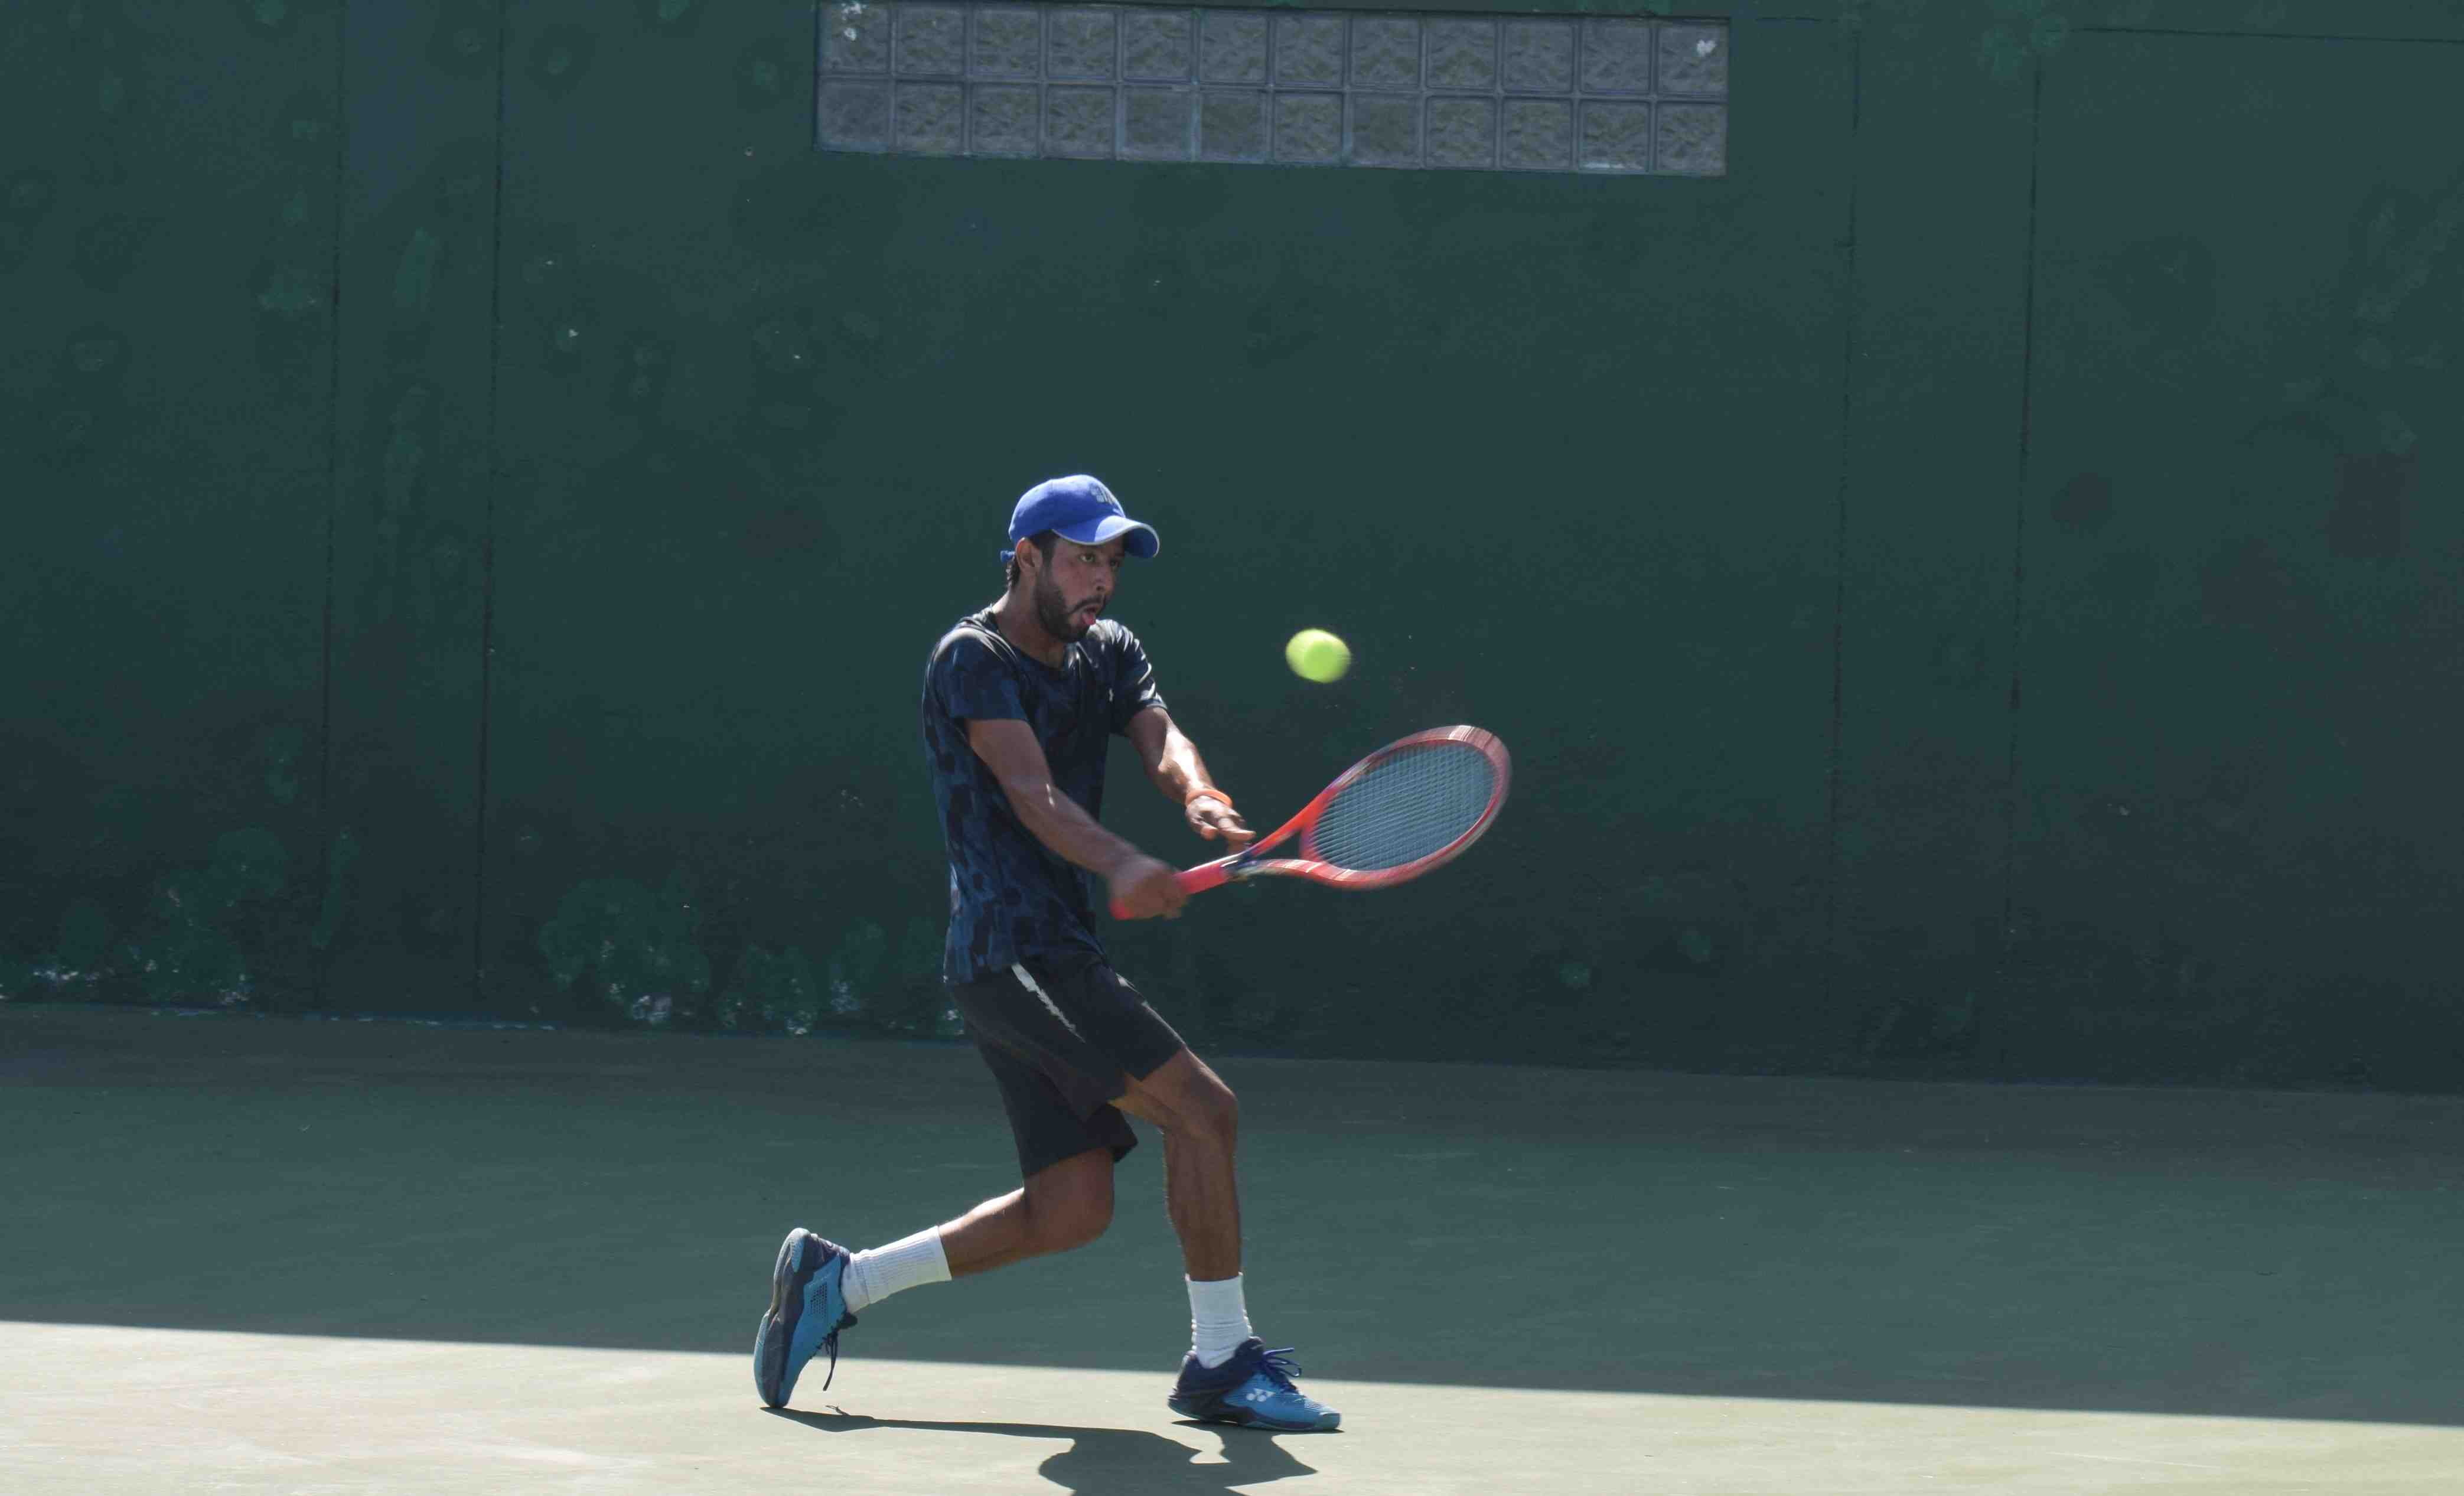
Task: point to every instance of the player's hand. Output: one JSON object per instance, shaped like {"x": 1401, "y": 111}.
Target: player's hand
{"x": 1210, "y": 817}
{"x": 1143, "y": 889}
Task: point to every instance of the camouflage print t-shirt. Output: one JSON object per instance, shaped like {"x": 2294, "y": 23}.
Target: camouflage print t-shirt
{"x": 1011, "y": 898}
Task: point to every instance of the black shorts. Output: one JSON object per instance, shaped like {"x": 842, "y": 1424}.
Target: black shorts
{"x": 1064, "y": 1039}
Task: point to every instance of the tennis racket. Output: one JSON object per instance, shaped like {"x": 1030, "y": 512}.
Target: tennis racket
{"x": 1410, "y": 807}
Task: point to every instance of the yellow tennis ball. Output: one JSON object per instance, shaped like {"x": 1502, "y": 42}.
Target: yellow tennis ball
{"x": 1314, "y": 654}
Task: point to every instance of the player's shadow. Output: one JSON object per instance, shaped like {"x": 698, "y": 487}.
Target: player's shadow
{"x": 1113, "y": 1461}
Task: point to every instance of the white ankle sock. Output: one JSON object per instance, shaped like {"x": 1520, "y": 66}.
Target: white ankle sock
{"x": 1219, "y": 1320}
{"x": 909, "y": 1262}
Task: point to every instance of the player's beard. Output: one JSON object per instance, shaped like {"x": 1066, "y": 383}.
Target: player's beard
{"x": 1054, "y": 613}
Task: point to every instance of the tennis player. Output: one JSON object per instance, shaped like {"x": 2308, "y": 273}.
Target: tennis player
{"x": 1020, "y": 703}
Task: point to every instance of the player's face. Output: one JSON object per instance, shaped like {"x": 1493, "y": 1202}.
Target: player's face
{"x": 1073, "y": 587}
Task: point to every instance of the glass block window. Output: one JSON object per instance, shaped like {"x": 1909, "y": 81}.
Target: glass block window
{"x": 1288, "y": 88}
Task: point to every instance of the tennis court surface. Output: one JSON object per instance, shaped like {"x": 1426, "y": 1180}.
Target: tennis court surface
{"x": 277, "y": 1255}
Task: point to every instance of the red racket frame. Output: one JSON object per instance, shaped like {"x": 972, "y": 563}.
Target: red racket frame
{"x": 1248, "y": 864}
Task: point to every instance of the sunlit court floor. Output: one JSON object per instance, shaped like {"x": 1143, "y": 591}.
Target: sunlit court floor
{"x": 281, "y": 1255}
{"x": 196, "y": 1410}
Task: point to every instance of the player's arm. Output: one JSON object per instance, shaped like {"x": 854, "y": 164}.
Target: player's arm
{"x": 1173, "y": 763}
{"x": 1141, "y": 885}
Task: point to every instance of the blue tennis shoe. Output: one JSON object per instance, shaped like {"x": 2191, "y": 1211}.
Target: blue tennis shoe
{"x": 1254, "y": 1389}
{"x": 807, "y": 1310}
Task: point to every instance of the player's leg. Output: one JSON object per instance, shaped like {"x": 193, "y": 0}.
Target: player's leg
{"x": 1059, "y": 1207}
{"x": 1201, "y": 1122}
{"x": 1062, "y": 1205}
{"x": 1060, "y": 1045}
{"x": 818, "y": 1287}
{"x": 1229, "y": 1376}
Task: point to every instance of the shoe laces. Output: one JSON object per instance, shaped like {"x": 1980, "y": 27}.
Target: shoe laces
{"x": 1277, "y": 1367}
{"x": 830, "y": 1343}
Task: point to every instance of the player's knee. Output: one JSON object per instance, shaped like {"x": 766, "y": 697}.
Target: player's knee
{"x": 1072, "y": 1222}
{"x": 1212, "y": 1111}
{"x": 1091, "y": 1221}
{"x": 1069, "y": 1205}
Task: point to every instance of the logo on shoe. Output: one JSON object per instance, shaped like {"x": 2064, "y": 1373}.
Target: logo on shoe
{"x": 1258, "y": 1394}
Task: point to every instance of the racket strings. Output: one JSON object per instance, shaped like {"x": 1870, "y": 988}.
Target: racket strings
{"x": 1406, "y": 808}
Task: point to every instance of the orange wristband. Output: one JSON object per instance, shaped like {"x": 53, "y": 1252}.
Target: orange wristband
{"x": 1207, "y": 789}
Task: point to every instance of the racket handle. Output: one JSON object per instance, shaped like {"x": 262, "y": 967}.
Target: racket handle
{"x": 1207, "y": 875}
{"x": 1192, "y": 880}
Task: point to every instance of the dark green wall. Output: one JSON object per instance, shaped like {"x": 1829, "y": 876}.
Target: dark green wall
{"x": 1971, "y": 592}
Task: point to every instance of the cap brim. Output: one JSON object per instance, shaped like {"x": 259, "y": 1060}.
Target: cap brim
{"x": 1142, "y": 543}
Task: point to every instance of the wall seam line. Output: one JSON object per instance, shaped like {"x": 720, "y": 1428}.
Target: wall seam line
{"x": 2019, "y": 522}
{"x": 488, "y": 545}
{"x": 325, "y": 829}
{"x": 1840, "y": 535}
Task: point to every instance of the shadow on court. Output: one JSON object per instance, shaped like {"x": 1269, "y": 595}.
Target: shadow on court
{"x": 2246, "y": 1254}
{"x": 1112, "y": 1462}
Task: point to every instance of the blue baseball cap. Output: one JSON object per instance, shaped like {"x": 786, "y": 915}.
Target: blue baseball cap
{"x": 1081, "y": 509}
